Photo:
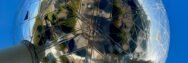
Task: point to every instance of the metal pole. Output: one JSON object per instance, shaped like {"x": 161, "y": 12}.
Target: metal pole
{"x": 24, "y": 52}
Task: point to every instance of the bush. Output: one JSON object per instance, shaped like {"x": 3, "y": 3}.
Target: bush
{"x": 62, "y": 46}
{"x": 69, "y": 24}
{"x": 51, "y": 17}
{"x": 45, "y": 60}
{"x": 37, "y": 29}
{"x": 75, "y": 4}
{"x": 64, "y": 59}
{"x": 71, "y": 11}
{"x": 62, "y": 9}
{"x": 40, "y": 28}
{"x": 117, "y": 12}
{"x": 123, "y": 37}
{"x": 118, "y": 35}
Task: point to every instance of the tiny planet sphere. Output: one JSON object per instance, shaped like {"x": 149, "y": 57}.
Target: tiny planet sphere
{"x": 111, "y": 31}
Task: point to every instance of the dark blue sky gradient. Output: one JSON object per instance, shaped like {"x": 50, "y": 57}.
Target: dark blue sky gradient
{"x": 8, "y": 11}
{"x": 177, "y": 11}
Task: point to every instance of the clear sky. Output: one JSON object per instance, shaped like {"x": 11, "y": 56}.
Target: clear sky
{"x": 8, "y": 11}
{"x": 177, "y": 11}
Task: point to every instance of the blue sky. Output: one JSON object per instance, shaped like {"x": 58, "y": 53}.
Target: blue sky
{"x": 8, "y": 10}
{"x": 10, "y": 33}
{"x": 177, "y": 11}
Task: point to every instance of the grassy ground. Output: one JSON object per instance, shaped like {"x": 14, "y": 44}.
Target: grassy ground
{"x": 37, "y": 30}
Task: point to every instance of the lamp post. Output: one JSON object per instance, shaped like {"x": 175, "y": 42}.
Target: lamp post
{"x": 25, "y": 52}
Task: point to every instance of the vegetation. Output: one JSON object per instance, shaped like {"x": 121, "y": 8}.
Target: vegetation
{"x": 62, "y": 9}
{"x": 123, "y": 37}
{"x": 138, "y": 61}
{"x": 45, "y": 60}
{"x": 37, "y": 31}
{"x": 75, "y": 4}
{"x": 41, "y": 32}
{"x": 51, "y": 17}
{"x": 69, "y": 24}
{"x": 53, "y": 61}
{"x": 117, "y": 33}
{"x": 63, "y": 47}
{"x": 49, "y": 34}
{"x": 117, "y": 12}
{"x": 64, "y": 59}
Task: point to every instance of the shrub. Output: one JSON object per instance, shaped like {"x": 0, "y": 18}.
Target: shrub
{"x": 62, "y": 46}
{"x": 45, "y": 60}
{"x": 51, "y": 17}
{"x": 117, "y": 12}
{"x": 75, "y": 4}
{"x": 37, "y": 29}
{"x": 69, "y": 24}
{"x": 64, "y": 59}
